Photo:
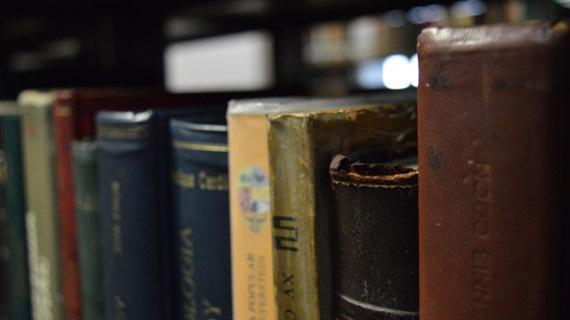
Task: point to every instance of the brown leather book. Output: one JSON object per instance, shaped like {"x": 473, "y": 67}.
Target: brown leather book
{"x": 376, "y": 235}
{"x": 493, "y": 131}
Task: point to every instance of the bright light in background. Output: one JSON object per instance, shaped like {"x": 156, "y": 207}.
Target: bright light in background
{"x": 414, "y": 70}
{"x": 427, "y": 14}
{"x": 396, "y": 72}
{"x": 468, "y": 8}
{"x": 235, "y": 62}
{"x": 369, "y": 74}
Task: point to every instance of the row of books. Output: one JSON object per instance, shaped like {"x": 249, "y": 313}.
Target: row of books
{"x": 452, "y": 205}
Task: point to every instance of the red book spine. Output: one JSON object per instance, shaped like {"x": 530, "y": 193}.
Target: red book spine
{"x": 64, "y": 132}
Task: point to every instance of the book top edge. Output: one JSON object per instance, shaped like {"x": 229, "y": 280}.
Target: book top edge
{"x": 494, "y": 36}
{"x": 36, "y": 98}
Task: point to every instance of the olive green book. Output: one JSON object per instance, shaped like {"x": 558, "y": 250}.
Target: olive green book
{"x": 41, "y": 216}
{"x": 301, "y": 146}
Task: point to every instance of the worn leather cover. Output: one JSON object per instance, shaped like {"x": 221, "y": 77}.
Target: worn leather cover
{"x": 376, "y": 234}
{"x": 18, "y": 272}
{"x": 201, "y": 218}
{"x": 493, "y": 131}
{"x": 301, "y": 145}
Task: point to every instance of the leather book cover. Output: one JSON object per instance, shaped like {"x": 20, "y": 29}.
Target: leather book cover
{"x": 493, "y": 157}
{"x": 84, "y": 159}
{"x": 42, "y": 221}
{"x": 201, "y": 219}
{"x": 375, "y": 234}
{"x": 17, "y": 268}
{"x": 74, "y": 119}
{"x": 301, "y": 145}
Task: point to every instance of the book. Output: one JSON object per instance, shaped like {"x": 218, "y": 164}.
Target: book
{"x": 18, "y": 290}
{"x": 493, "y": 156}
{"x": 4, "y": 246}
{"x": 74, "y": 119}
{"x": 376, "y": 233}
{"x": 129, "y": 219}
{"x": 88, "y": 220}
{"x": 301, "y": 145}
{"x": 42, "y": 221}
{"x": 201, "y": 217}
{"x": 137, "y": 248}
{"x": 253, "y": 290}
{"x": 251, "y": 221}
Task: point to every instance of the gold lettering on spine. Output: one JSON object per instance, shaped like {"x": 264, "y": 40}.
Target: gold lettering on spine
{"x": 213, "y": 183}
{"x": 189, "y": 304}
{"x": 202, "y": 181}
{"x": 116, "y": 217}
{"x": 479, "y": 182}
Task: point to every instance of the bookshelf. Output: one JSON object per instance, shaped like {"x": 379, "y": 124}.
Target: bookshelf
{"x": 63, "y": 43}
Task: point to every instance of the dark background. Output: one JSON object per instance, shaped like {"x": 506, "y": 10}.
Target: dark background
{"x": 72, "y": 43}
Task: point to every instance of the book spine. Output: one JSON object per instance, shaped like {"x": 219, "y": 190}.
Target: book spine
{"x": 251, "y": 236}
{"x": 19, "y": 287}
{"x": 493, "y": 182}
{"x": 300, "y": 146}
{"x": 299, "y": 294}
{"x": 375, "y": 238}
{"x": 63, "y": 130}
{"x": 84, "y": 158}
{"x": 4, "y": 249}
{"x": 128, "y": 208}
{"x": 42, "y": 223}
{"x": 201, "y": 222}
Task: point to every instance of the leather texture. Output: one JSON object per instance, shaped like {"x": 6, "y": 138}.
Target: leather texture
{"x": 376, "y": 235}
{"x": 493, "y": 160}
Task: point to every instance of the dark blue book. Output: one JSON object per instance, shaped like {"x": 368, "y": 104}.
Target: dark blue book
{"x": 136, "y": 216}
{"x": 201, "y": 218}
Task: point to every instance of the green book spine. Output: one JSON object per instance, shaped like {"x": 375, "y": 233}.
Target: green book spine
{"x": 84, "y": 157}
{"x": 301, "y": 146}
{"x": 19, "y": 287}
{"x": 42, "y": 221}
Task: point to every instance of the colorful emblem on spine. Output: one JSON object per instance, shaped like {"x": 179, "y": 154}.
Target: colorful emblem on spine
{"x": 253, "y": 195}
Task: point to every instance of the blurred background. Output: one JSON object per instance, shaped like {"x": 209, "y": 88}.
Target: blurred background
{"x": 325, "y": 47}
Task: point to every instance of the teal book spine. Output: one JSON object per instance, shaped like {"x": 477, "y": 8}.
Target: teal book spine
{"x": 15, "y": 208}
{"x": 84, "y": 158}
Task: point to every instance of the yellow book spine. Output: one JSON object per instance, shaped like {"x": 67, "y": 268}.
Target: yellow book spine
{"x": 251, "y": 237}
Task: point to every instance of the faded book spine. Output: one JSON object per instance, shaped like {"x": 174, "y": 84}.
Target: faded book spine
{"x": 376, "y": 235}
{"x": 18, "y": 280}
{"x": 129, "y": 220}
{"x": 300, "y": 147}
{"x": 251, "y": 235}
{"x": 42, "y": 221}
{"x": 201, "y": 219}
{"x": 88, "y": 219}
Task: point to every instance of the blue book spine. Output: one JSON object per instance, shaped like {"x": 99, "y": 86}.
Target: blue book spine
{"x": 18, "y": 272}
{"x": 130, "y": 225}
{"x": 201, "y": 218}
